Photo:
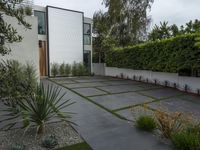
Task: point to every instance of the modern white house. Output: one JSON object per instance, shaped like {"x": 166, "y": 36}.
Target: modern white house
{"x": 58, "y": 35}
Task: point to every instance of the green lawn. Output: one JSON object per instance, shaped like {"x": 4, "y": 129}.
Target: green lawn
{"x": 80, "y": 146}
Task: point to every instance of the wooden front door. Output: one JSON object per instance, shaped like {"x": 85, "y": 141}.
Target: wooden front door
{"x": 43, "y": 58}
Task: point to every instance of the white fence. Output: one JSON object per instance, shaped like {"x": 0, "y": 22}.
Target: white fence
{"x": 192, "y": 84}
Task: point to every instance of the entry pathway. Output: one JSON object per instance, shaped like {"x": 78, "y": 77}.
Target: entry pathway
{"x": 101, "y": 129}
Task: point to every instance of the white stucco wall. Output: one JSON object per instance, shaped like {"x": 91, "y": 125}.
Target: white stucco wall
{"x": 65, "y": 36}
{"x": 26, "y": 51}
{"x": 99, "y": 69}
{"x": 192, "y": 82}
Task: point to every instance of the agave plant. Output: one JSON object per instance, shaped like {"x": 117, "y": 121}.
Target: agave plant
{"x": 50, "y": 142}
{"x": 42, "y": 107}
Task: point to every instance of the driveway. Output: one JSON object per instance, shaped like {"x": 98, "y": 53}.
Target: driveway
{"x": 103, "y": 107}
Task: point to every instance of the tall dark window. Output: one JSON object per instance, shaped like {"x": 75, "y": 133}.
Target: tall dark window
{"x": 41, "y": 22}
{"x": 87, "y": 34}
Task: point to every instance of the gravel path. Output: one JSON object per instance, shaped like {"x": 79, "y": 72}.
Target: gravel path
{"x": 65, "y": 134}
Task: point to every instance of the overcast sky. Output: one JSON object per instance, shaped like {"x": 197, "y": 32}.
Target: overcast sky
{"x": 173, "y": 11}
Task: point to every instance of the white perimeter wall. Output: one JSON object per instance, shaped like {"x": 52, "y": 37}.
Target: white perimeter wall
{"x": 65, "y": 36}
{"x": 26, "y": 51}
{"x": 192, "y": 82}
{"x": 98, "y": 68}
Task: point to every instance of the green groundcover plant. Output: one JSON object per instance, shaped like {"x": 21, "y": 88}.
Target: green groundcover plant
{"x": 146, "y": 123}
{"x": 188, "y": 139}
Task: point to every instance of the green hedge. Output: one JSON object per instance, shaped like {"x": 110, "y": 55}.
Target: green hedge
{"x": 169, "y": 55}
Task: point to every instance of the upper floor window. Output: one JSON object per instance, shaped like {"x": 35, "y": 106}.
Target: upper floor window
{"x": 87, "y": 34}
{"x": 41, "y": 22}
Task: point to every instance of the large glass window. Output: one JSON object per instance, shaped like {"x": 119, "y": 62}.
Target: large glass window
{"x": 87, "y": 34}
{"x": 41, "y": 21}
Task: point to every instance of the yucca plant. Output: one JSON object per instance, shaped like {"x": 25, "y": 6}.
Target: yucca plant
{"x": 39, "y": 109}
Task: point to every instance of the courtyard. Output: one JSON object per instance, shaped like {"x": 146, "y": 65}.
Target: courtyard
{"x": 119, "y": 96}
{"x": 104, "y": 104}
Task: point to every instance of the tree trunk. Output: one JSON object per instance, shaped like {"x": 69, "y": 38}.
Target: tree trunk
{"x": 41, "y": 129}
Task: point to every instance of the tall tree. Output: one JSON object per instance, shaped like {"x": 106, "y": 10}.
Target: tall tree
{"x": 102, "y": 41}
{"x": 166, "y": 31}
{"x": 161, "y": 32}
{"x": 8, "y": 34}
{"x": 128, "y": 20}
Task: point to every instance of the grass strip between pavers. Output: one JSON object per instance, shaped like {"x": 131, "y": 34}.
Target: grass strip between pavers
{"x": 88, "y": 99}
{"x": 136, "y": 91}
{"x": 102, "y": 90}
{"x": 79, "y": 146}
{"x": 149, "y": 102}
{"x": 108, "y": 93}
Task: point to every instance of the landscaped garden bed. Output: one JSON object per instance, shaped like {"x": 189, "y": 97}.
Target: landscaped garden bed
{"x": 175, "y": 128}
{"x": 33, "y": 116}
{"x": 64, "y": 134}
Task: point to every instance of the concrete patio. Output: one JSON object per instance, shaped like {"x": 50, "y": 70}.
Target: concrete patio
{"x": 103, "y": 110}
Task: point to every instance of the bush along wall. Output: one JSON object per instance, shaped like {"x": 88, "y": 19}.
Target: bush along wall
{"x": 66, "y": 70}
{"x": 172, "y": 55}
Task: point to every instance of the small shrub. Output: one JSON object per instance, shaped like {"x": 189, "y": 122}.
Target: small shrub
{"x": 16, "y": 80}
{"x": 198, "y": 91}
{"x": 81, "y": 70}
{"x": 134, "y": 77}
{"x": 74, "y": 69}
{"x": 146, "y": 123}
{"x": 17, "y": 147}
{"x": 168, "y": 123}
{"x": 49, "y": 142}
{"x": 122, "y": 75}
{"x": 54, "y": 69}
{"x": 78, "y": 69}
{"x": 140, "y": 78}
{"x": 155, "y": 81}
{"x": 166, "y": 83}
{"x": 62, "y": 69}
{"x": 188, "y": 139}
{"x": 67, "y": 70}
{"x": 186, "y": 87}
{"x": 28, "y": 11}
{"x": 175, "y": 85}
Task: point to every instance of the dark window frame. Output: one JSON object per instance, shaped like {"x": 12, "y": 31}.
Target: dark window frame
{"x": 90, "y": 29}
{"x": 87, "y": 34}
{"x": 45, "y": 21}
